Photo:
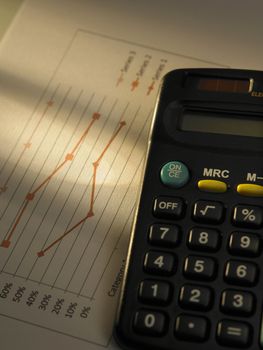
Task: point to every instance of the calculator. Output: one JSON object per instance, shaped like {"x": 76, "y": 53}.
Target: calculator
{"x": 194, "y": 274}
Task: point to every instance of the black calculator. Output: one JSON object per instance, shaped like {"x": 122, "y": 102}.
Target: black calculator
{"x": 194, "y": 274}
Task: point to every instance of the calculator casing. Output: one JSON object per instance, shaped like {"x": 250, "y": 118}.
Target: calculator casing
{"x": 238, "y": 154}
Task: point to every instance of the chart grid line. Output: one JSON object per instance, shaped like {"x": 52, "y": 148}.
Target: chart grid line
{"x": 59, "y": 214}
{"x": 40, "y": 144}
{"x": 51, "y": 202}
{"x": 120, "y": 205}
{"x": 25, "y": 127}
{"x": 94, "y": 230}
{"x": 30, "y": 195}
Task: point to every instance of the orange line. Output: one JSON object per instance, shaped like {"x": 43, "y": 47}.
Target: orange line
{"x": 42, "y": 252}
{"x": 16, "y": 223}
{"x": 94, "y": 118}
{"x": 110, "y": 141}
{"x": 49, "y": 177}
{"x": 95, "y": 166}
{"x": 70, "y": 155}
{"x": 30, "y": 196}
{"x": 92, "y": 197}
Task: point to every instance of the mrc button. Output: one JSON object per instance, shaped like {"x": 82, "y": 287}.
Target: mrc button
{"x": 174, "y": 174}
{"x": 168, "y": 207}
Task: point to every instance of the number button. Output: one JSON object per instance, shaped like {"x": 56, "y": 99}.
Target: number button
{"x": 237, "y": 302}
{"x": 164, "y": 235}
{"x": 149, "y": 322}
{"x": 241, "y": 273}
{"x": 199, "y": 268}
{"x": 248, "y": 216}
{"x": 155, "y": 292}
{"x": 191, "y": 328}
{"x": 205, "y": 211}
{"x": 203, "y": 239}
{"x": 159, "y": 263}
{"x": 246, "y": 244}
{"x": 195, "y": 297}
{"x": 236, "y": 334}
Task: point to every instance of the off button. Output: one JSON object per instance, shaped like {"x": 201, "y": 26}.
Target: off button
{"x": 168, "y": 207}
{"x": 175, "y": 174}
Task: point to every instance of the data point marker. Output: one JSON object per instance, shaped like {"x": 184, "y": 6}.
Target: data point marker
{"x": 5, "y": 244}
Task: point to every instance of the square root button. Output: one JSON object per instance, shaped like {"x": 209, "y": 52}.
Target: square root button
{"x": 168, "y": 207}
{"x": 208, "y": 212}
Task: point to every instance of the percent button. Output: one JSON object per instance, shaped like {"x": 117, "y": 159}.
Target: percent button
{"x": 248, "y": 216}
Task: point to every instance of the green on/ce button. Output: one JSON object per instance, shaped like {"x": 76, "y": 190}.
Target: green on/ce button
{"x": 175, "y": 174}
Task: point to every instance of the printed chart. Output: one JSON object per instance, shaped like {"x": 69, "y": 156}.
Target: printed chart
{"x": 68, "y": 185}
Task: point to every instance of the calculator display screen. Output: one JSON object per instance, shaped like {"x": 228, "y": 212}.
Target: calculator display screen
{"x": 221, "y": 124}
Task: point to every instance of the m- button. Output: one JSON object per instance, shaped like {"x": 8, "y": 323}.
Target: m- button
{"x": 168, "y": 207}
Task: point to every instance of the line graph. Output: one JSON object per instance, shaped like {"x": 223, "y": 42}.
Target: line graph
{"x": 31, "y": 195}
{"x": 90, "y": 211}
{"x": 69, "y": 184}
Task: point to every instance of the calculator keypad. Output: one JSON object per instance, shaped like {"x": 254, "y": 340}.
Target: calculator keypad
{"x": 199, "y": 265}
